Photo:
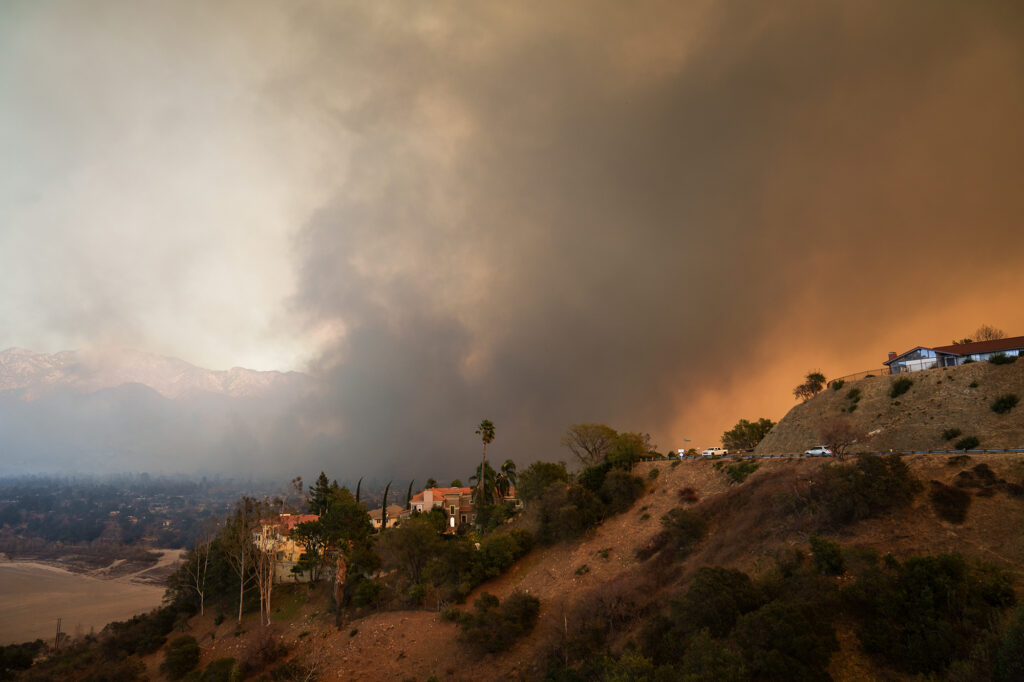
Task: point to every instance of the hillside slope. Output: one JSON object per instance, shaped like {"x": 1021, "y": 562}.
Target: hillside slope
{"x": 939, "y": 399}
{"x": 601, "y": 577}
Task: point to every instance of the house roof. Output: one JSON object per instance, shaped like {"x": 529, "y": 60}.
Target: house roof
{"x": 975, "y": 347}
{"x": 393, "y": 512}
{"x": 286, "y": 522}
{"x": 439, "y": 493}
{"x": 1012, "y": 343}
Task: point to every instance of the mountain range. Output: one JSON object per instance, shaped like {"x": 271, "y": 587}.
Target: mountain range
{"x": 89, "y": 412}
{"x": 88, "y": 371}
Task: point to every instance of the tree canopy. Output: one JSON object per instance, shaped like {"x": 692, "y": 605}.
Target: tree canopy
{"x": 590, "y": 443}
{"x": 746, "y": 435}
{"x": 814, "y": 382}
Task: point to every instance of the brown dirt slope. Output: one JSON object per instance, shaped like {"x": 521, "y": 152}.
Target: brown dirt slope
{"x": 600, "y": 576}
{"x": 939, "y": 399}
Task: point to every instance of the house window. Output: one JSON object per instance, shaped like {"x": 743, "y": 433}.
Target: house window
{"x": 452, "y": 510}
{"x": 463, "y": 518}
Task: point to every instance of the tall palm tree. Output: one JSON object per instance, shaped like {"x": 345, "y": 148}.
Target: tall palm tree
{"x": 486, "y": 433}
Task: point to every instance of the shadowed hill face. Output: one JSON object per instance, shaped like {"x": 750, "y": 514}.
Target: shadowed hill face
{"x": 937, "y": 400}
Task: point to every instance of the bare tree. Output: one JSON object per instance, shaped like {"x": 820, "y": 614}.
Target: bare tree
{"x": 266, "y": 559}
{"x": 198, "y": 561}
{"x": 240, "y": 544}
{"x": 590, "y": 442}
{"x": 839, "y": 434}
{"x": 987, "y": 332}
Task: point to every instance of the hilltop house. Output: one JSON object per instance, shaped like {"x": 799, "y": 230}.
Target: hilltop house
{"x": 395, "y": 515}
{"x": 456, "y": 502}
{"x": 275, "y": 535}
{"x": 921, "y": 357}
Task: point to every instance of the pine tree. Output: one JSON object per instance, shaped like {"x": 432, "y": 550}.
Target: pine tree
{"x": 319, "y": 495}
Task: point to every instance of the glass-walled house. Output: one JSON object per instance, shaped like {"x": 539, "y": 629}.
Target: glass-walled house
{"x": 922, "y": 358}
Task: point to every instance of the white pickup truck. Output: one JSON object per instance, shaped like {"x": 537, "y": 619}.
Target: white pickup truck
{"x": 715, "y": 452}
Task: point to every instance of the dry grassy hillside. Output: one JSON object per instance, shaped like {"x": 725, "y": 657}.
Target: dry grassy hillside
{"x": 600, "y": 579}
{"x": 939, "y": 399}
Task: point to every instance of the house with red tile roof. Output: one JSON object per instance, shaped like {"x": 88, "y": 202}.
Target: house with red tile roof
{"x": 923, "y": 357}
{"x": 274, "y": 535}
{"x": 457, "y": 504}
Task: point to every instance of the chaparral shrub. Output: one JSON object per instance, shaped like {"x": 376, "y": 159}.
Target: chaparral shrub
{"x": 900, "y": 386}
{"x": 1005, "y": 403}
{"x": 949, "y": 503}
{"x": 967, "y": 443}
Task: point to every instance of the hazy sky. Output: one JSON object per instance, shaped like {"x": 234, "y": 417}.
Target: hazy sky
{"x": 657, "y": 215}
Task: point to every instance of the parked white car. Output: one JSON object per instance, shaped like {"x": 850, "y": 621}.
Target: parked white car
{"x": 819, "y": 451}
{"x": 715, "y": 452}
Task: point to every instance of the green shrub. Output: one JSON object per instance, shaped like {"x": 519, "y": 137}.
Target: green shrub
{"x": 853, "y": 395}
{"x": 18, "y": 657}
{"x": 1008, "y": 663}
{"x": 716, "y": 599}
{"x": 493, "y": 626}
{"x": 828, "y": 556}
{"x": 864, "y": 489}
{"x": 900, "y": 386}
{"x": 1002, "y": 359}
{"x": 739, "y": 472}
{"x": 221, "y": 670}
{"x": 973, "y": 384}
{"x": 1005, "y": 403}
{"x": 180, "y": 657}
{"x": 967, "y": 443}
{"x": 684, "y": 530}
{"x": 653, "y": 474}
{"x": 619, "y": 491}
{"x": 838, "y": 384}
{"x": 787, "y": 641}
{"x": 950, "y": 434}
{"x": 922, "y": 614}
{"x": 367, "y": 593}
{"x": 949, "y": 503}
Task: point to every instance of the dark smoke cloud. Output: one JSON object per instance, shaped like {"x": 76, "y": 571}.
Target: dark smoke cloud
{"x": 591, "y": 214}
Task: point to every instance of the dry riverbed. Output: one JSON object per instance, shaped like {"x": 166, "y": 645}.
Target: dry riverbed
{"x": 34, "y": 595}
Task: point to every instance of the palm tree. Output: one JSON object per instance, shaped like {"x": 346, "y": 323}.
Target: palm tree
{"x": 487, "y": 485}
{"x": 507, "y": 478}
{"x": 486, "y": 433}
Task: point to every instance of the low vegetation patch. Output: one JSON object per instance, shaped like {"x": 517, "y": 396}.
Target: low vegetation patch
{"x": 180, "y": 657}
{"x": 222, "y": 670}
{"x": 967, "y": 443}
{"x": 900, "y": 386}
{"x": 920, "y": 615}
{"x": 1002, "y": 359}
{"x": 949, "y": 503}
{"x": 863, "y": 489}
{"x": 940, "y": 617}
{"x": 950, "y": 434}
{"x": 1005, "y": 403}
{"x": 827, "y": 555}
{"x": 739, "y": 472}
{"x": 492, "y": 626}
